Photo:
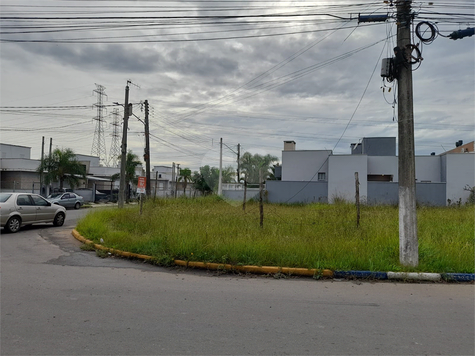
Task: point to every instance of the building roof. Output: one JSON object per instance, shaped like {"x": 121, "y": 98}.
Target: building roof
{"x": 7, "y": 144}
{"x": 468, "y": 147}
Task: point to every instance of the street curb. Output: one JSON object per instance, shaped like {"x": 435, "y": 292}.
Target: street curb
{"x": 315, "y": 273}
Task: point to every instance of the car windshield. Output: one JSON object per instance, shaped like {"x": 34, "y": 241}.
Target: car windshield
{"x": 55, "y": 195}
{"x": 4, "y": 197}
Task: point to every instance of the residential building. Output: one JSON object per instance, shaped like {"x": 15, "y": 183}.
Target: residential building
{"x": 17, "y": 169}
{"x": 321, "y": 176}
{"x": 18, "y": 172}
{"x": 162, "y": 184}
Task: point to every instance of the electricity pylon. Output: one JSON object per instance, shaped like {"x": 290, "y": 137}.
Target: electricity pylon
{"x": 114, "y": 151}
{"x": 99, "y": 142}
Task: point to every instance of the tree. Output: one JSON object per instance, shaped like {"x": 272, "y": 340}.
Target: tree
{"x": 185, "y": 177}
{"x": 62, "y": 167}
{"x": 272, "y": 174}
{"x": 131, "y": 162}
{"x": 206, "y": 180}
{"x": 227, "y": 175}
{"x": 203, "y": 180}
{"x": 252, "y": 166}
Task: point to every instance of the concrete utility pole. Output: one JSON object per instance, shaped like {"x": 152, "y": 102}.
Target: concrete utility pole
{"x": 176, "y": 180}
{"x": 42, "y": 160}
{"x": 173, "y": 179}
{"x": 146, "y": 155}
{"x": 408, "y": 241}
{"x": 220, "y": 186}
{"x": 123, "y": 159}
{"x": 48, "y": 190}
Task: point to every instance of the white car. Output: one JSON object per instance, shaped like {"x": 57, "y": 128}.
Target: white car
{"x": 20, "y": 209}
{"x": 67, "y": 199}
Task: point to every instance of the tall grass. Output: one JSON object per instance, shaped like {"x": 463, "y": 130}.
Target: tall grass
{"x": 310, "y": 236}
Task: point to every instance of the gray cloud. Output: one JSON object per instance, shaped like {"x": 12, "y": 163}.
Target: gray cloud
{"x": 198, "y": 89}
{"x": 114, "y": 58}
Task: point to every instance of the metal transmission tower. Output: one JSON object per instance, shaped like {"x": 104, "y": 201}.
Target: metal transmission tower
{"x": 114, "y": 152}
{"x": 99, "y": 142}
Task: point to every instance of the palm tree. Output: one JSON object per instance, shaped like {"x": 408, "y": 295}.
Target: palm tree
{"x": 206, "y": 180}
{"x": 62, "y": 166}
{"x": 227, "y": 174}
{"x": 252, "y": 166}
{"x": 185, "y": 177}
{"x": 131, "y": 162}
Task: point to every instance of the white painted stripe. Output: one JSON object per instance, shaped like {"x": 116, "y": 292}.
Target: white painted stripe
{"x": 415, "y": 276}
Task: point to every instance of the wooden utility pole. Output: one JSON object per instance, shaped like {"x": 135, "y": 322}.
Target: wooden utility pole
{"x": 357, "y": 198}
{"x": 238, "y": 159}
{"x": 408, "y": 241}
{"x": 123, "y": 159}
{"x": 261, "y": 197}
{"x": 220, "y": 186}
{"x": 146, "y": 155}
{"x": 156, "y": 182}
{"x": 176, "y": 178}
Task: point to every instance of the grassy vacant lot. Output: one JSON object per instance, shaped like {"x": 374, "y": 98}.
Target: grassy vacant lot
{"x": 309, "y": 236}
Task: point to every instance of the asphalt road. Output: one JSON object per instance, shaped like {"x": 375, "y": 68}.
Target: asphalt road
{"x": 59, "y": 300}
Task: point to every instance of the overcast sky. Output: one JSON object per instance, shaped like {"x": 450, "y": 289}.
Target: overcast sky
{"x": 308, "y": 73}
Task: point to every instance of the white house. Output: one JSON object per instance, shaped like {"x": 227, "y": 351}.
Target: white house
{"x": 319, "y": 175}
{"x": 163, "y": 178}
{"x": 18, "y": 172}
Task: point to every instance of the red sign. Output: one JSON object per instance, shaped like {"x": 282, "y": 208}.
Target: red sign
{"x": 141, "y": 185}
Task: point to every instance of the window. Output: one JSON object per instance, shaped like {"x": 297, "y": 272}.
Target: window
{"x": 380, "y": 177}
{"x": 322, "y": 176}
{"x": 23, "y": 200}
{"x": 4, "y": 197}
{"x": 39, "y": 201}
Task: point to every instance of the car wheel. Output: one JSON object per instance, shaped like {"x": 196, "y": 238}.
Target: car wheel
{"x": 13, "y": 224}
{"x": 77, "y": 205}
{"x": 59, "y": 219}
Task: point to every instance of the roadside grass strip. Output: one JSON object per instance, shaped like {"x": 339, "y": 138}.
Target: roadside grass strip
{"x": 314, "y": 273}
{"x": 313, "y": 237}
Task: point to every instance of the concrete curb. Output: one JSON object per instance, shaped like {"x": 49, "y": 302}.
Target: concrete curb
{"x": 316, "y": 273}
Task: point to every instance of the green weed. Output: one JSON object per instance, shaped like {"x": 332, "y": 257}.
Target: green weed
{"x": 310, "y": 236}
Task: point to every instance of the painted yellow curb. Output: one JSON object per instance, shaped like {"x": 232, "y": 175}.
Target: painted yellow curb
{"x": 111, "y": 250}
{"x": 217, "y": 266}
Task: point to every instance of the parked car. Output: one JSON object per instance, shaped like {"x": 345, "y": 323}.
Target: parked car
{"x": 20, "y": 209}
{"x": 68, "y": 200}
